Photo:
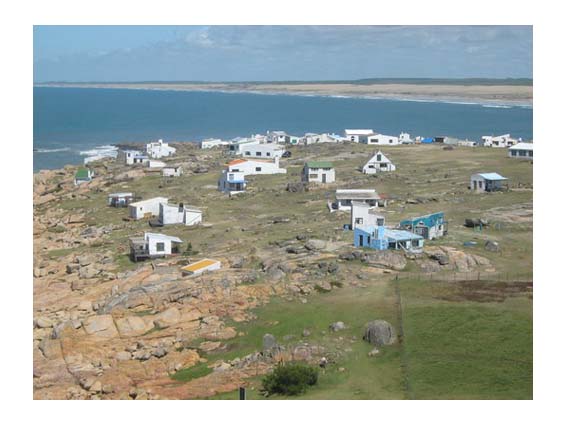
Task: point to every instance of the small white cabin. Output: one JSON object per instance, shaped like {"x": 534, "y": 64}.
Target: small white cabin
{"x": 377, "y": 163}
{"x": 179, "y": 214}
{"x": 503, "y": 141}
{"x": 159, "y": 149}
{"x": 486, "y": 182}
{"x": 172, "y": 171}
{"x": 146, "y": 208}
{"x": 318, "y": 172}
{"x": 358, "y": 136}
{"x": 405, "y": 138}
{"x": 153, "y": 245}
{"x": 121, "y": 199}
{"x": 522, "y": 151}
{"x": 382, "y": 139}
{"x": 262, "y": 151}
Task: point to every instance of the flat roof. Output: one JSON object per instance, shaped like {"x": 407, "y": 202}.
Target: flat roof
{"x": 400, "y": 235}
{"x": 199, "y": 265}
{"x": 356, "y": 194}
{"x": 120, "y": 194}
{"x": 319, "y": 164}
{"x": 491, "y": 176}
{"x": 523, "y": 146}
{"x": 145, "y": 201}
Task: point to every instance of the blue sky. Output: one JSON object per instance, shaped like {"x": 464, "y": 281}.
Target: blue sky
{"x": 256, "y": 53}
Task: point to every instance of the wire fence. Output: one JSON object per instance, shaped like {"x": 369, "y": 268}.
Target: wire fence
{"x": 466, "y": 276}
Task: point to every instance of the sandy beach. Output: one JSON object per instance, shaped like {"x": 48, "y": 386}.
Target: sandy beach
{"x": 500, "y": 94}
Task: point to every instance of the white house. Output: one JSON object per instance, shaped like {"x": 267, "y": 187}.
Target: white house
{"x": 232, "y": 182}
{"x": 255, "y": 166}
{"x": 312, "y": 138}
{"x": 201, "y": 266}
{"x": 405, "y": 138}
{"x": 212, "y": 143}
{"x": 172, "y": 171}
{"x": 130, "y": 157}
{"x": 318, "y": 172}
{"x": 121, "y": 199}
{"x": 358, "y": 136}
{"x": 277, "y": 137}
{"x": 152, "y": 163}
{"x": 262, "y": 150}
{"x": 146, "y": 208}
{"x": 521, "y": 151}
{"x": 159, "y": 149}
{"x": 239, "y": 145}
{"x": 486, "y": 182}
{"x": 179, "y": 214}
{"x": 503, "y": 141}
{"x": 378, "y": 162}
{"x": 153, "y": 245}
{"x": 344, "y": 198}
{"x": 382, "y": 139}
{"x": 362, "y": 214}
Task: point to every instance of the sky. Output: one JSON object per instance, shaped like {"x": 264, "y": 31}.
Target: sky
{"x": 279, "y": 53}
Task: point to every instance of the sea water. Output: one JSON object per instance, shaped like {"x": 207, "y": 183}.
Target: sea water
{"x": 71, "y": 124}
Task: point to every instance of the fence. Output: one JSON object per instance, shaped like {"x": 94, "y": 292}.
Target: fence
{"x": 466, "y": 276}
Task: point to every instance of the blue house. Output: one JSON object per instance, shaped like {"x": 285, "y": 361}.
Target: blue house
{"x": 381, "y": 238}
{"x": 427, "y": 140}
{"x": 430, "y": 226}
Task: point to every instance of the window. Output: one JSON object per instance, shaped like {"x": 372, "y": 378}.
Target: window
{"x": 358, "y": 220}
{"x": 313, "y": 176}
{"x": 160, "y": 246}
{"x": 247, "y": 153}
{"x": 522, "y": 153}
{"x": 258, "y": 168}
{"x": 258, "y": 153}
{"x": 268, "y": 154}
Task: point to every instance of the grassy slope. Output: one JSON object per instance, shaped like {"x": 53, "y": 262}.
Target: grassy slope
{"x": 453, "y": 349}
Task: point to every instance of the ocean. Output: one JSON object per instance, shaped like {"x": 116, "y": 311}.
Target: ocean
{"x": 72, "y": 123}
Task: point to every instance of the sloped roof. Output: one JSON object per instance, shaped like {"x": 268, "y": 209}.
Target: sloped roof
{"x": 82, "y": 173}
{"x": 523, "y": 146}
{"x": 356, "y": 194}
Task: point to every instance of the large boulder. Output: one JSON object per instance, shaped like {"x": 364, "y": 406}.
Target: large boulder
{"x": 492, "y": 246}
{"x": 101, "y": 326}
{"x": 133, "y": 326}
{"x": 269, "y": 342}
{"x": 315, "y": 244}
{"x": 379, "y": 332}
{"x": 387, "y": 259}
{"x": 337, "y": 326}
{"x": 167, "y": 318}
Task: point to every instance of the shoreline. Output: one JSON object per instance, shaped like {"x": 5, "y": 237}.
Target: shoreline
{"x": 484, "y": 96}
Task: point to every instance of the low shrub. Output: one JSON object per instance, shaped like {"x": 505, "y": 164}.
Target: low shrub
{"x": 290, "y": 379}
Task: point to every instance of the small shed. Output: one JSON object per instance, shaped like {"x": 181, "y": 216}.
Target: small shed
{"x": 487, "y": 182}
{"x": 318, "y": 172}
{"x": 153, "y": 245}
{"x": 201, "y": 266}
{"x": 121, "y": 199}
{"x": 83, "y": 175}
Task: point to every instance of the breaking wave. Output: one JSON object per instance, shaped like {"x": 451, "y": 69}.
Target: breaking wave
{"x": 39, "y": 150}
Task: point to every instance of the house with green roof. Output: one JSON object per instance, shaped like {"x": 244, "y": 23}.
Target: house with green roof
{"x": 318, "y": 172}
{"x": 83, "y": 175}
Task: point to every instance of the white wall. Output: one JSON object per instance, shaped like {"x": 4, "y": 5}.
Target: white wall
{"x": 382, "y": 139}
{"x": 262, "y": 151}
{"x": 139, "y": 209}
{"x": 251, "y": 167}
{"x": 316, "y": 175}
